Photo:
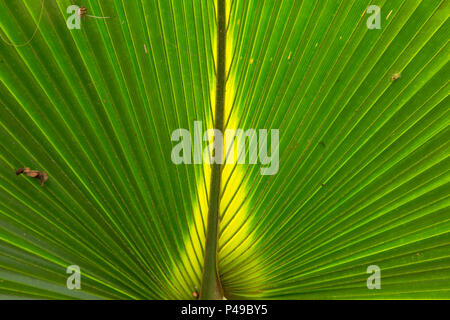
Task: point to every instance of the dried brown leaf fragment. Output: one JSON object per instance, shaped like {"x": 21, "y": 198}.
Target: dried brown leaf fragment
{"x": 41, "y": 175}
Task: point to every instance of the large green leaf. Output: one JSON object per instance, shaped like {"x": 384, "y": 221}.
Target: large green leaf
{"x": 363, "y": 173}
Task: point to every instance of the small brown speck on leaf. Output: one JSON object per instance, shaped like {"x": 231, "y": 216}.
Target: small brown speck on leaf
{"x": 389, "y": 14}
{"x": 396, "y": 76}
{"x": 195, "y": 293}
{"x": 82, "y": 12}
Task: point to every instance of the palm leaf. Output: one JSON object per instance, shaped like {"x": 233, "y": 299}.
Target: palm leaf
{"x": 363, "y": 171}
